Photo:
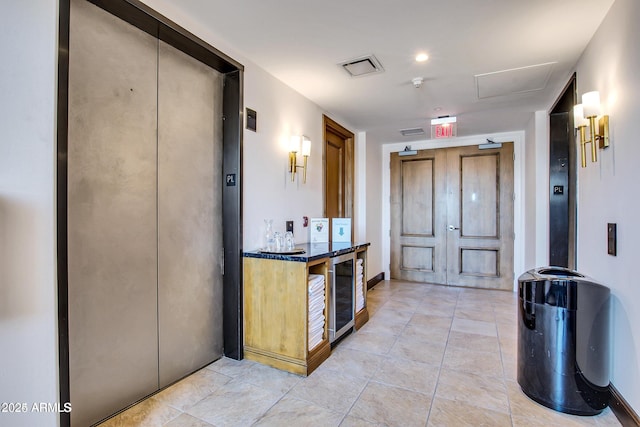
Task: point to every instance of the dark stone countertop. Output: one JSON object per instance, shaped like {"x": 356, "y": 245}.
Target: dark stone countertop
{"x": 312, "y": 251}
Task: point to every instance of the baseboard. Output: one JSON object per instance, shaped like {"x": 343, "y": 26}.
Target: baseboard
{"x": 375, "y": 280}
{"x": 622, "y": 410}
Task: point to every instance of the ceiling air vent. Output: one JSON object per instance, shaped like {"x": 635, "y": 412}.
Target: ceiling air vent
{"x": 412, "y": 132}
{"x": 362, "y": 66}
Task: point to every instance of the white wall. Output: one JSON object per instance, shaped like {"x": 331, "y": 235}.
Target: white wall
{"x": 608, "y": 190}
{"x": 375, "y": 228}
{"x": 28, "y": 316}
{"x": 536, "y": 251}
{"x": 530, "y": 191}
{"x": 268, "y": 192}
{"x": 518, "y": 139}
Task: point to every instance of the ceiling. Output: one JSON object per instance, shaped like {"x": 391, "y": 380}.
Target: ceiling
{"x": 537, "y": 42}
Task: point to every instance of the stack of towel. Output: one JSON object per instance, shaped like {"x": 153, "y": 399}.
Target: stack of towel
{"x": 316, "y": 309}
{"x": 359, "y": 287}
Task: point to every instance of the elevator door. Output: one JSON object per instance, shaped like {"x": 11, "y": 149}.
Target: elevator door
{"x": 144, "y": 214}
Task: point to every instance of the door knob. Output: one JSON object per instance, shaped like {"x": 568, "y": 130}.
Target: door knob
{"x": 451, "y": 228}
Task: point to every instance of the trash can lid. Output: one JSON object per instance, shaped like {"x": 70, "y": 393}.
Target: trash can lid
{"x": 557, "y": 271}
{"x": 559, "y": 287}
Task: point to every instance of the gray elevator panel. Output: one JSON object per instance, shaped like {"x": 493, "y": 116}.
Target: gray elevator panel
{"x": 189, "y": 214}
{"x": 111, "y": 214}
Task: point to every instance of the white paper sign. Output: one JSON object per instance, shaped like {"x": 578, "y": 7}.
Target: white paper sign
{"x": 318, "y": 230}
{"x": 340, "y": 229}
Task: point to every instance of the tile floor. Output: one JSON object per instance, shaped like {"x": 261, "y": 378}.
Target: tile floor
{"x": 429, "y": 356}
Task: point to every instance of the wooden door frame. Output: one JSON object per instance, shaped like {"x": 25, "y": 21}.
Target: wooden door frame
{"x": 331, "y": 126}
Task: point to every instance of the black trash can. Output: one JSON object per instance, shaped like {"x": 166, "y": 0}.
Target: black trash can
{"x": 563, "y": 340}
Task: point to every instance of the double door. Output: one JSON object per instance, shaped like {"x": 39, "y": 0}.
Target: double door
{"x": 452, "y": 217}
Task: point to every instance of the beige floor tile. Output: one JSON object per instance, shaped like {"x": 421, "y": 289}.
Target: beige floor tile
{"x": 607, "y": 419}
{"x": 372, "y": 308}
{"x": 391, "y": 314}
{"x": 475, "y": 362}
{"x": 426, "y": 334}
{"x": 510, "y": 368}
{"x": 507, "y": 331}
{"x": 291, "y": 411}
{"x": 379, "y": 293}
{"x": 473, "y": 342}
{"x": 508, "y": 346}
{"x": 384, "y": 326}
{"x": 148, "y": 413}
{"x": 438, "y": 296}
{"x": 474, "y": 327}
{"x": 436, "y": 308}
{"x": 419, "y": 351}
{"x": 475, "y": 305}
{"x": 270, "y": 378}
{"x": 369, "y": 342}
{"x": 429, "y": 321}
{"x": 507, "y": 315}
{"x": 186, "y": 420}
{"x": 417, "y": 292}
{"x": 392, "y": 406}
{"x": 443, "y": 291}
{"x": 350, "y": 421}
{"x": 416, "y": 376}
{"x": 449, "y": 413}
{"x": 408, "y": 295}
{"x": 231, "y": 367}
{"x": 355, "y": 363}
{"x": 328, "y": 390}
{"x": 192, "y": 389}
{"x": 483, "y": 392}
{"x": 407, "y": 306}
{"x": 467, "y": 313}
{"x": 237, "y": 404}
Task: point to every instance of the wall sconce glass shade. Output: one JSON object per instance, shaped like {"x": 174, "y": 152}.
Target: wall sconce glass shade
{"x": 306, "y": 146}
{"x": 591, "y": 104}
{"x": 578, "y": 117}
{"x": 295, "y": 146}
{"x": 584, "y": 115}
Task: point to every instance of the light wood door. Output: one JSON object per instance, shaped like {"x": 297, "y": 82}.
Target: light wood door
{"x": 418, "y": 216}
{"x": 452, "y": 217}
{"x": 338, "y": 172}
{"x": 335, "y": 158}
{"x": 480, "y": 216}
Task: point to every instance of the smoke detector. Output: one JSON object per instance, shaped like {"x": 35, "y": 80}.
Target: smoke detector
{"x": 417, "y": 82}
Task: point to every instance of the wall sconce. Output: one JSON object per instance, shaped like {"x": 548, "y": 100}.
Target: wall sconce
{"x": 293, "y": 150}
{"x": 584, "y": 115}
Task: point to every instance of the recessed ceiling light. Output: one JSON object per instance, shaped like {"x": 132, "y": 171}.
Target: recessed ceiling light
{"x": 421, "y": 57}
